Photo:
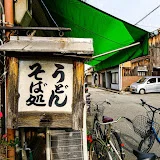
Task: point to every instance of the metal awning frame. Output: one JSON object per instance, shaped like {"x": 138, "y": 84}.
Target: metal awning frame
{"x": 119, "y": 49}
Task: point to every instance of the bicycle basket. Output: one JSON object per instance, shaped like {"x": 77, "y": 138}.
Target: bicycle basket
{"x": 93, "y": 109}
{"x": 142, "y": 124}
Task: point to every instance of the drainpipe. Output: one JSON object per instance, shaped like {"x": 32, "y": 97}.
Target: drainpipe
{"x": 120, "y": 78}
{"x": 9, "y": 18}
{"x": 85, "y": 133}
{"x": 8, "y": 9}
{"x": 85, "y": 155}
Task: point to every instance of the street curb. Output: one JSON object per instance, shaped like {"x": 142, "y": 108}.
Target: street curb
{"x": 111, "y": 90}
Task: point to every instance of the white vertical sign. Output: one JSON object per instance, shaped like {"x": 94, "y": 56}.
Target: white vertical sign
{"x": 45, "y": 85}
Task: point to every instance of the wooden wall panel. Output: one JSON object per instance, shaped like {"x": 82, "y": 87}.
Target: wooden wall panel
{"x": 78, "y": 102}
{"x": 12, "y": 93}
{"x": 46, "y": 119}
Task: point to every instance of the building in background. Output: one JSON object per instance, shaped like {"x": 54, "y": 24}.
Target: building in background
{"x": 122, "y": 76}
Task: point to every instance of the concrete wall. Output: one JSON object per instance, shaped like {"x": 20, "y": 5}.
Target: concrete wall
{"x": 100, "y": 80}
{"x": 115, "y": 86}
{"x": 128, "y": 80}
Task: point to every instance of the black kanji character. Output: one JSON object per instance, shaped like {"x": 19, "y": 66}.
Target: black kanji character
{"x": 37, "y": 69}
{"x": 56, "y": 97}
{"x": 57, "y": 90}
{"x": 58, "y": 71}
{"x": 38, "y": 89}
{"x": 35, "y": 100}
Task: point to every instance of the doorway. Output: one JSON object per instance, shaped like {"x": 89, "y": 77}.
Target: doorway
{"x": 108, "y": 79}
{"x": 103, "y": 80}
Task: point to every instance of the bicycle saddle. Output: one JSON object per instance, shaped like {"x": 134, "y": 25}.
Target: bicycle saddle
{"x": 144, "y": 156}
{"x": 106, "y": 119}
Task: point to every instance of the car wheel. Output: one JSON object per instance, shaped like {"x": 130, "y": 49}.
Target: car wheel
{"x": 142, "y": 91}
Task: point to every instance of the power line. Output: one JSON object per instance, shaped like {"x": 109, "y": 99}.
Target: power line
{"x": 147, "y": 14}
{"x": 49, "y": 14}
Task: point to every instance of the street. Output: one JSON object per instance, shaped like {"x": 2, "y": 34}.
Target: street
{"x": 127, "y": 105}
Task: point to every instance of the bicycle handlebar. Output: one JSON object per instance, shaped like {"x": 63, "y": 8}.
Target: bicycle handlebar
{"x": 151, "y": 107}
{"x": 97, "y": 105}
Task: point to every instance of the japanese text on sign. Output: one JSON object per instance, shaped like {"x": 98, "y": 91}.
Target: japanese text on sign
{"x": 45, "y": 86}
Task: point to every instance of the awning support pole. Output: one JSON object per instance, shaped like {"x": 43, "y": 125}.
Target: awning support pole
{"x": 119, "y": 49}
{"x": 48, "y": 154}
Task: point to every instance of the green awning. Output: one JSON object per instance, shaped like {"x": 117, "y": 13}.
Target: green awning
{"x": 108, "y": 32}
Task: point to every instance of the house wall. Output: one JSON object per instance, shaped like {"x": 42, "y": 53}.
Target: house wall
{"x": 128, "y": 80}
{"x": 115, "y": 86}
{"x": 88, "y": 79}
{"x": 126, "y": 64}
{"x": 141, "y": 62}
{"x": 131, "y": 71}
{"x": 154, "y": 44}
{"x": 154, "y": 51}
{"x": 100, "y": 80}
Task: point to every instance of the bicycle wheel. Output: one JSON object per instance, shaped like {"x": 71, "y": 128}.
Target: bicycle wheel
{"x": 147, "y": 143}
{"x": 98, "y": 151}
{"x": 116, "y": 141}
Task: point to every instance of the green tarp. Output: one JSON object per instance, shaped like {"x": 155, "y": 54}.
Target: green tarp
{"x": 108, "y": 32}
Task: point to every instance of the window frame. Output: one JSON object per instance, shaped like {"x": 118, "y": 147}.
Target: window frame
{"x": 114, "y": 78}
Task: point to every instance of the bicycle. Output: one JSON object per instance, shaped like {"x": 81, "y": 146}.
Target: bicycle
{"x": 146, "y": 127}
{"x": 24, "y": 153}
{"x": 106, "y": 142}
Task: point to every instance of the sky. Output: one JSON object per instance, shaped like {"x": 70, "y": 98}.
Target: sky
{"x": 132, "y": 11}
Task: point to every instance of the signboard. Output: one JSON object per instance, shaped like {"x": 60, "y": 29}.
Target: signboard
{"x": 45, "y": 86}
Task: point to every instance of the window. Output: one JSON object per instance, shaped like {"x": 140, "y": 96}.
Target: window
{"x": 141, "y": 80}
{"x": 158, "y": 79}
{"x": 115, "y": 77}
{"x": 141, "y": 73}
{"x": 152, "y": 80}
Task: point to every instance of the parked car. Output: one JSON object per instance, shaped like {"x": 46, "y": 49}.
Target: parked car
{"x": 146, "y": 84}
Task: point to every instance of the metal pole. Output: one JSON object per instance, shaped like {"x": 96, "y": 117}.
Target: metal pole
{"x": 85, "y": 155}
{"x": 48, "y": 155}
{"x": 103, "y": 54}
{"x": 85, "y": 134}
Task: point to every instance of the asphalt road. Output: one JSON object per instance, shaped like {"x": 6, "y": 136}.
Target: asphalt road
{"x": 128, "y": 105}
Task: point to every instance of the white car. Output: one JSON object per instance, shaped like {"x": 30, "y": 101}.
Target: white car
{"x": 146, "y": 84}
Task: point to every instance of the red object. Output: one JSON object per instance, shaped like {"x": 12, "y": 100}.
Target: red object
{"x": 89, "y": 138}
{"x": 122, "y": 144}
{"x": 4, "y": 136}
{"x": 1, "y": 114}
